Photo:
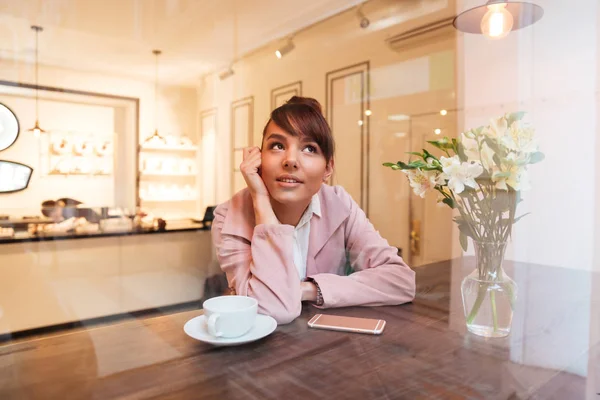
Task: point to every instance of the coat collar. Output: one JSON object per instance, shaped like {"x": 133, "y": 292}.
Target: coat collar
{"x": 240, "y": 220}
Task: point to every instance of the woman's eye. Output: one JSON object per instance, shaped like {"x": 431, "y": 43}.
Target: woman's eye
{"x": 311, "y": 148}
{"x": 277, "y": 146}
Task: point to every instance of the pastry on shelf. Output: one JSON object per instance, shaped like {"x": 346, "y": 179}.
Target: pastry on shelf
{"x": 185, "y": 141}
{"x": 61, "y": 146}
{"x": 171, "y": 140}
{"x": 63, "y": 166}
{"x": 104, "y": 148}
{"x": 83, "y": 147}
{"x": 187, "y": 166}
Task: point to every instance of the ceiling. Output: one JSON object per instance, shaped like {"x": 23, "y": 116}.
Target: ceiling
{"x": 117, "y": 36}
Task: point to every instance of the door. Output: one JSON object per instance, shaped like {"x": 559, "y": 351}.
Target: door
{"x": 431, "y": 230}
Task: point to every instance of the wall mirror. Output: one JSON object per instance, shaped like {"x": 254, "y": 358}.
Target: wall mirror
{"x": 9, "y": 127}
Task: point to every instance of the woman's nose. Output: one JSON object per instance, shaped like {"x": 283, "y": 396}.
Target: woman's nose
{"x": 290, "y": 162}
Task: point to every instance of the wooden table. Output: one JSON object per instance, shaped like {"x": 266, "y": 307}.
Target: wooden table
{"x": 425, "y": 352}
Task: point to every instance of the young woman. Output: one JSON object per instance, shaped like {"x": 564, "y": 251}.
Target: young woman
{"x": 288, "y": 237}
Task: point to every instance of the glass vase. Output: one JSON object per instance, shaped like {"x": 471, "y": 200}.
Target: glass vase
{"x": 488, "y": 294}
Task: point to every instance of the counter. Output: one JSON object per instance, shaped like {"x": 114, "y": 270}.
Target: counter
{"x": 180, "y": 227}
{"x": 46, "y": 281}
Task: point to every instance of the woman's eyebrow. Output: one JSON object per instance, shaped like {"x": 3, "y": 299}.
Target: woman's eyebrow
{"x": 277, "y": 136}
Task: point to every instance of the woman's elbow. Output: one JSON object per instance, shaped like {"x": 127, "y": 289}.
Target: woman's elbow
{"x": 281, "y": 313}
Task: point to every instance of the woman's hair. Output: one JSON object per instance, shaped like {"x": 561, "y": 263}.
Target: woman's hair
{"x": 302, "y": 117}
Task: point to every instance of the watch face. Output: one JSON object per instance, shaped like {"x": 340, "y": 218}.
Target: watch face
{"x": 14, "y": 176}
{"x": 9, "y": 127}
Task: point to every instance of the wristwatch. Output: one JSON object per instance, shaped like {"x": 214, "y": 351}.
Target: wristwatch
{"x": 320, "y": 300}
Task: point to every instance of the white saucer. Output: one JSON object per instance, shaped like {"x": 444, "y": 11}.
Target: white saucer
{"x": 196, "y": 328}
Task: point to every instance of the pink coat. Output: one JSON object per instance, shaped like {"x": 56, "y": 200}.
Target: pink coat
{"x": 258, "y": 260}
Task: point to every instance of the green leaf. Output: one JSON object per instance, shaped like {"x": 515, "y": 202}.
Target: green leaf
{"x": 515, "y": 116}
{"x": 536, "y": 157}
{"x": 493, "y": 145}
{"x": 518, "y": 218}
{"x": 465, "y": 228}
{"x": 389, "y": 164}
{"x": 464, "y": 242}
{"x": 448, "y": 201}
{"x": 427, "y": 155}
{"x": 415, "y": 153}
{"x": 502, "y": 202}
{"x": 460, "y": 150}
{"x": 497, "y": 160}
{"x": 442, "y": 144}
{"x": 405, "y": 166}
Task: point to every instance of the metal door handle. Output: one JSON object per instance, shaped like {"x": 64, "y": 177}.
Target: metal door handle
{"x": 415, "y": 238}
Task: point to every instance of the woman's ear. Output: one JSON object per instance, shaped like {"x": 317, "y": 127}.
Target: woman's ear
{"x": 328, "y": 170}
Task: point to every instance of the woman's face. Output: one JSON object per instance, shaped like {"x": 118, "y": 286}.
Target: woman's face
{"x": 292, "y": 168}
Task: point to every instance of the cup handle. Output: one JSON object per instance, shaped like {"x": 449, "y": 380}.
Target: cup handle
{"x": 212, "y": 325}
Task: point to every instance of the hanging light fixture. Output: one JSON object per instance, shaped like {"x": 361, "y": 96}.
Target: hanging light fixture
{"x": 36, "y": 128}
{"x": 497, "y": 18}
{"x": 155, "y": 136}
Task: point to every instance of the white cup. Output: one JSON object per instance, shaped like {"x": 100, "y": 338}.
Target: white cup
{"x": 230, "y": 316}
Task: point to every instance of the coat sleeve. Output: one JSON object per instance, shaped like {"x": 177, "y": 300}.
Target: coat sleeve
{"x": 381, "y": 277}
{"x": 262, "y": 268}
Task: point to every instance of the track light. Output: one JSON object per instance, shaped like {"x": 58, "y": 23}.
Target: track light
{"x": 227, "y": 73}
{"x": 364, "y": 21}
{"x": 282, "y": 51}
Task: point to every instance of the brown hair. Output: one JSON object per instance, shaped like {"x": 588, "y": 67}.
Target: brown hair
{"x": 302, "y": 117}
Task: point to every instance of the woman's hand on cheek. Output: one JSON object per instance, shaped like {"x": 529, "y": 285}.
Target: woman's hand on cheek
{"x": 249, "y": 167}
{"x": 263, "y": 211}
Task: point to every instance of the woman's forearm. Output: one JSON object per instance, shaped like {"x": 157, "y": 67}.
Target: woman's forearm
{"x": 263, "y": 211}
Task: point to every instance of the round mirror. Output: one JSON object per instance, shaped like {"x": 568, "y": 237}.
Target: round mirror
{"x": 9, "y": 127}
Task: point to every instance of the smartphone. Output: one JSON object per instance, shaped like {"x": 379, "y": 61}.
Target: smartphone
{"x": 347, "y": 324}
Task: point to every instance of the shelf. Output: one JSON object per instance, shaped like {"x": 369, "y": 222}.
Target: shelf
{"x": 157, "y": 174}
{"x": 169, "y": 148}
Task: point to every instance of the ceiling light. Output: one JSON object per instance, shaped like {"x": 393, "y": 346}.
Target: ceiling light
{"x": 437, "y": 131}
{"x": 36, "y": 128}
{"x": 443, "y": 112}
{"x": 360, "y": 122}
{"x": 227, "y": 73}
{"x": 398, "y": 117}
{"x": 368, "y": 113}
{"x": 282, "y": 51}
{"x": 497, "y": 18}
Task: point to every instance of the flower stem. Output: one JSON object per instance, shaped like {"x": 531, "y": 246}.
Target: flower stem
{"x": 494, "y": 311}
{"x": 478, "y": 301}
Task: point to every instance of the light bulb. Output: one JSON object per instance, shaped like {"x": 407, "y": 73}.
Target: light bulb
{"x": 443, "y": 112}
{"x": 36, "y": 132}
{"x": 437, "y": 131}
{"x": 278, "y": 54}
{"x": 497, "y": 21}
{"x": 368, "y": 113}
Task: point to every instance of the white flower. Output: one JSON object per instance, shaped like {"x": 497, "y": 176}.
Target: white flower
{"x": 514, "y": 173}
{"x": 497, "y": 129}
{"x": 422, "y": 181}
{"x": 520, "y": 138}
{"x": 460, "y": 174}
